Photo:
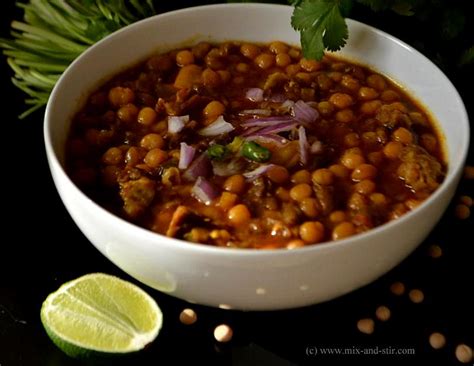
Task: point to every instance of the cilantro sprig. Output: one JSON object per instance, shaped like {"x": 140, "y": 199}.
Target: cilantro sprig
{"x": 321, "y": 26}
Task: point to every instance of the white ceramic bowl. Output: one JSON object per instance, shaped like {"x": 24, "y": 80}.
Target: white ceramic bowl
{"x": 248, "y": 279}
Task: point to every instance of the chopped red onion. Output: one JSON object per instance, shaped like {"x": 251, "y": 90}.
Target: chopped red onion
{"x": 316, "y": 147}
{"x": 303, "y": 143}
{"x": 186, "y": 155}
{"x": 177, "y": 123}
{"x": 271, "y": 138}
{"x": 204, "y": 191}
{"x": 218, "y": 127}
{"x": 200, "y": 167}
{"x": 267, "y": 121}
{"x": 257, "y": 112}
{"x": 262, "y": 169}
{"x": 279, "y": 128}
{"x": 254, "y": 94}
{"x": 226, "y": 169}
{"x": 304, "y": 113}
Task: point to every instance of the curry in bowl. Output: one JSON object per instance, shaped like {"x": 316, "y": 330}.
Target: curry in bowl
{"x": 252, "y": 146}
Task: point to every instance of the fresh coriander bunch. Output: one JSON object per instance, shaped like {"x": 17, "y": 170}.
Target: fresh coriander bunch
{"x": 54, "y": 32}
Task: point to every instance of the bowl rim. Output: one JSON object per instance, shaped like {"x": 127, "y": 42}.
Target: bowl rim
{"x": 183, "y": 245}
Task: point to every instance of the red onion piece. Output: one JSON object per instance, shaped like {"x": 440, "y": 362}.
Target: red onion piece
{"x": 218, "y": 127}
{"x": 254, "y": 94}
{"x": 279, "y": 128}
{"x": 200, "y": 167}
{"x": 204, "y": 191}
{"x": 303, "y": 143}
{"x": 267, "y": 121}
{"x": 177, "y": 123}
{"x": 304, "y": 113}
{"x": 186, "y": 155}
{"x": 316, "y": 147}
{"x": 262, "y": 169}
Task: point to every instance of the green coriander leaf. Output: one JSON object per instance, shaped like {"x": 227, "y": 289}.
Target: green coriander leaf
{"x": 312, "y": 44}
{"x": 321, "y": 25}
{"x": 336, "y": 30}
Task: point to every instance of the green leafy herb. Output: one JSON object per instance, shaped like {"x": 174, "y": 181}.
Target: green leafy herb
{"x": 253, "y": 151}
{"x": 321, "y": 25}
{"x": 217, "y": 152}
{"x": 54, "y": 32}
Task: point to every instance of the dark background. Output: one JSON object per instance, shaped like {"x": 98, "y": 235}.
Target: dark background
{"x": 41, "y": 248}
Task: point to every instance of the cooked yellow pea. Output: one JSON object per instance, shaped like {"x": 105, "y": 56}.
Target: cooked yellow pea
{"x": 337, "y": 217}
{"x": 345, "y": 116}
{"x": 403, "y": 135}
{"x": 310, "y": 207}
{"x": 146, "y": 116}
{"x": 152, "y": 141}
{"x": 371, "y": 107}
{"x": 250, "y": 50}
{"x": 301, "y": 176}
{"x": 211, "y": 78}
{"x": 282, "y": 59}
{"x": 341, "y": 100}
{"x": 128, "y": 113}
{"x": 339, "y": 171}
{"x": 155, "y": 157}
{"x": 312, "y": 232}
{"x": 234, "y": 184}
{"x": 377, "y": 82}
{"x": 184, "y": 57}
{"x": 278, "y": 174}
{"x": 265, "y": 61}
{"x": 278, "y": 47}
{"x": 120, "y": 96}
{"x": 366, "y": 93}
{"x": 213, "y": 110}
{"x": 113, "y": 156}
{"x": 365, "y": 187}
{"x": 352, "y": 160}
{"x": 392, "y": 150}
{"x": 343, "y": 230}
{"x": 239, "y": 215}
{"x": 301, "y": 191}
{"x": 323, "y": 176}
{"x": 364, "y": 171}
{"x": 310, "y": 65}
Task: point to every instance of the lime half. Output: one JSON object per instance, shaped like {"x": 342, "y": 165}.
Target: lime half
{"x": 100, "y": 314}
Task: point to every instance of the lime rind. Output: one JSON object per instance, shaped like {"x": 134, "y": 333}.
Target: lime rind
{"x": 100, "y": 314}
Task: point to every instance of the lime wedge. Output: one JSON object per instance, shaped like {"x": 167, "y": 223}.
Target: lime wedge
{"x": 100, "y": 314}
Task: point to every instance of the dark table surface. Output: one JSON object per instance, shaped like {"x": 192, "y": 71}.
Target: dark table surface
{"x": 41, "y": 248}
